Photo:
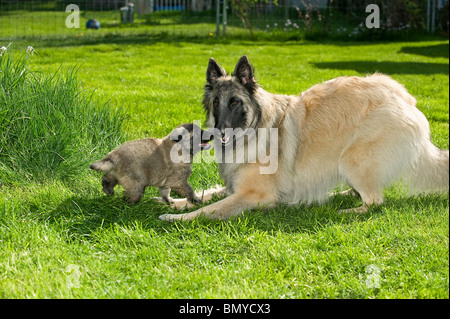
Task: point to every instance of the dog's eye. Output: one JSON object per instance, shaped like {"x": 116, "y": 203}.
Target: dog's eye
{"x": 216, "y": 102}
{"x": 234, "y": 103}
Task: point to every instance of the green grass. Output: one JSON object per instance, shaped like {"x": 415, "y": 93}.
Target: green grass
{"x": 47, "y": 229}
{"x": 49, "y": 128}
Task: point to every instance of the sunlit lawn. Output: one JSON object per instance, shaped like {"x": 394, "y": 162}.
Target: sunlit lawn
{"x": 122, "y": 251}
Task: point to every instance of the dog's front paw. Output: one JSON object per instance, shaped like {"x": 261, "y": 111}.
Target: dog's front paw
{"x": 181, "y": 203}
{"x": 170, "y": 217}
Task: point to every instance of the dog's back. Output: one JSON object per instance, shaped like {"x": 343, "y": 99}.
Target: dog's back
{"x": 369, "y": 133}
{"x": 130, "y": 156}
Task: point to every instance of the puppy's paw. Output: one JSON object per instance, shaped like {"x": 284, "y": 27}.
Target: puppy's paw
{"x": 169, "y": 200}
{"x": 208, "y": 194}
{"x": 196, "y": 201}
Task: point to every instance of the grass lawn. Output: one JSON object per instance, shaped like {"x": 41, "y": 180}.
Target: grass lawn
{"x": 66, "y": 239}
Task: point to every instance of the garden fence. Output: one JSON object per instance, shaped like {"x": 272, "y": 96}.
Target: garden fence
{"x": 52, "y": 18}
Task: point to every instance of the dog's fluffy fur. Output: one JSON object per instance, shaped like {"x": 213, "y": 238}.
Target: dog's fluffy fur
{"x": 366, "y": 132}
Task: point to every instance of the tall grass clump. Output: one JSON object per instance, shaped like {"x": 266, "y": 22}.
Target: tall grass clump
{"x": 49, "y": 127}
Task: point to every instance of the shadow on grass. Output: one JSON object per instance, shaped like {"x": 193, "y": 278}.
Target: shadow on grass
{"x": 126, "y": 35}
{"x": 313, "y": 218}
{"x": 132, "y": 38}
{"x": 387, "y": 67}
{"x": 433, "y": 51}
{"x": 81, "y": 217}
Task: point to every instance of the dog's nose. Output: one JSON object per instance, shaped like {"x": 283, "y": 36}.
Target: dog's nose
{"x": 222, "y": 125}
{"x": 221, "y": 129}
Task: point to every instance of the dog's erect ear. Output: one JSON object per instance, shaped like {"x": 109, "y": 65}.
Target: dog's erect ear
{"x": 245, "y": 73}
{"x": 214, "y": 72}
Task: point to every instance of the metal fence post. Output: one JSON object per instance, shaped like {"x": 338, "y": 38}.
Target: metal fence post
{"x": 433, "y": 15}
{"x": 224, "y": 17}
{"x": 218, "y": 18}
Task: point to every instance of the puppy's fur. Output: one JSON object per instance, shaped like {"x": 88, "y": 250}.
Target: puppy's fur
{"x": 147, "y": 162}
{"x": 366, "y": 132}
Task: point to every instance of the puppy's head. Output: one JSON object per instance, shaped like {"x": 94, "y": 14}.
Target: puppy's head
{"x": 191, "y": 138}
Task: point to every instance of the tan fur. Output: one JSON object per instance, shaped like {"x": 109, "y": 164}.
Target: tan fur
{"x": 366, "y": 132}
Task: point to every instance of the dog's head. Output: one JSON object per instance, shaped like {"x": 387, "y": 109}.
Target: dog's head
{"x": 229, "y": 100}
{"x": 191, "y": 138}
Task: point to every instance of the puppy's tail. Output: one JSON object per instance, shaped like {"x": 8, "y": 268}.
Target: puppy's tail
{"x": 431, "y": 172}
{"x": 104, "y": 165}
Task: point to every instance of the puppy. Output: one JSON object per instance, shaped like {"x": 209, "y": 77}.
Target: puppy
{"x": 164, "y": 163}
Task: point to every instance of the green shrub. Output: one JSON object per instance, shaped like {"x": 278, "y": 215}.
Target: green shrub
{"x": 49, "y": 127}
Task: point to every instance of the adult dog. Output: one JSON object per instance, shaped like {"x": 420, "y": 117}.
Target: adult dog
{"x": 366, "y": 132}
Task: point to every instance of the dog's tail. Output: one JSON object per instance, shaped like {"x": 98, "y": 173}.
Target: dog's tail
{"x": 104, "y": 165}
{"x": 431, "y": 171}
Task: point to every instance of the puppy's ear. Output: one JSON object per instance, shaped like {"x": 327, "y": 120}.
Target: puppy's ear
{"x": 178, "y": 134}
{"x": 245, "y": 73}
{"x": 213, "y": 72}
